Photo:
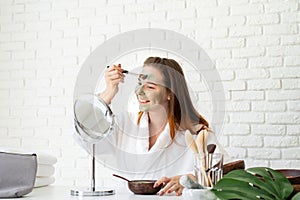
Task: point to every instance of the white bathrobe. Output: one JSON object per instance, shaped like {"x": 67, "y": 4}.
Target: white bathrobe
{"x": 126, "y": 150}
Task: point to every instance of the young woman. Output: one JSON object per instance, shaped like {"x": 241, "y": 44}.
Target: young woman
{"x": 150, "y": 144}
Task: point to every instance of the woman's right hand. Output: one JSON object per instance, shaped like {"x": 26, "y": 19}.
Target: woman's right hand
{"x": 113, "y": 76}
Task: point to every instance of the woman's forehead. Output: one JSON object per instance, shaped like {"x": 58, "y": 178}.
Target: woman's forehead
{"x": 152, "y": 74}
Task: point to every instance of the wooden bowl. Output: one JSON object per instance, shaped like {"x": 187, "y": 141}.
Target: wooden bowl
{"x": 144, "y": 187}
{"x": 228, "y": 167}
{"x": 293, "y": 175}
{"x": 296, "y": 188}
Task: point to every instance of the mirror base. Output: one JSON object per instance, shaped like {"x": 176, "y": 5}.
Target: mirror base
{"x": 86, "y": 192}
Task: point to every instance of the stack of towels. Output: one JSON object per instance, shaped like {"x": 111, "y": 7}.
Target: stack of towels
{"x": 45, "y": 166}
{"x": 45, "y": 169}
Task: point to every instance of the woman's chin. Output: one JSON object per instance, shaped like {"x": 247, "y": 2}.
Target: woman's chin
{"x": 144, "y": 108}
{"x": 152, "y": 108}
{"x": 149, "y": 107}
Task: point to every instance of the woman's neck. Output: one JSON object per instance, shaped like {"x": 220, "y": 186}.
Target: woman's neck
{"x": 157, "y": 119}
{"x": 157, "y": 123}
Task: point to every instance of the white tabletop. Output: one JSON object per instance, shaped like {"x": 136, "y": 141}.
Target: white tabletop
{"x": 63, "y": 192}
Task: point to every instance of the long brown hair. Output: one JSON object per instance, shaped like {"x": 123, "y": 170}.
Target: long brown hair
{"x": 182, "y": 114}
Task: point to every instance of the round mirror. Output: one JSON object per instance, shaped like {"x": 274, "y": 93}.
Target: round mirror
{"x": 94, "y": 120}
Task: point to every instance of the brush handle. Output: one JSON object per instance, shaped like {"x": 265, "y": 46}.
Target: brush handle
{"x": 128, "y": 72}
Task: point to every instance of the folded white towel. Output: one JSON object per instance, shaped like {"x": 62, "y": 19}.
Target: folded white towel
{"x": 43, "y": 181}
{"x": 45, "y": 170}
{"x": 45, "y": 159}
{"x": 42, "y": 158}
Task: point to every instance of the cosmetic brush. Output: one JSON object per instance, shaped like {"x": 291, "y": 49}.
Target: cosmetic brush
{"x": 141, "y": 76}
{"x": 131, "y": 73}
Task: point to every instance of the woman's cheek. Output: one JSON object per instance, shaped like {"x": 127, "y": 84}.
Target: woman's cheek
{"x": 157, "y": 97}
{"x": 138, "y": 89}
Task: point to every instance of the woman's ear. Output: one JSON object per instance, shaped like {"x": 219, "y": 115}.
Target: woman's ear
{"x": 169, "y": 95}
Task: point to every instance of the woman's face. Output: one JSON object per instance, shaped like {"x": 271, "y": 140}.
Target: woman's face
{"x": 150, "y": 92}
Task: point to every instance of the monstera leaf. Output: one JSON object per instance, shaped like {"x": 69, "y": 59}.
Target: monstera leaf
{"x": 253, "y": 183}
{"x": 296, "y": 197}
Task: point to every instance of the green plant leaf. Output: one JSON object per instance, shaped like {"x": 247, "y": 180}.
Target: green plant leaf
{"x": 296, "y": 196}
{"x": 244, "y": 189}
{"x": 232, "y": 195}
{"x": 253, "y": 183}
{"x": 272, "y": 178}
{"x": 245, "y": 176}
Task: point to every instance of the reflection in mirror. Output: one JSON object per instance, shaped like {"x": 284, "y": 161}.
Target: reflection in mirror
{"x": 93, "y": 118}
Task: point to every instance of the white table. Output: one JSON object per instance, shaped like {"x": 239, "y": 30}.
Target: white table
{"x": 63, "y": 193}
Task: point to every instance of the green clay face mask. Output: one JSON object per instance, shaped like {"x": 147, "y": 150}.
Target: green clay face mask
{"x": 149, "y": 78}
{"x": 150, "y": 92}
{"x": 150, "y": 96}
{"x": 143, "y": 77}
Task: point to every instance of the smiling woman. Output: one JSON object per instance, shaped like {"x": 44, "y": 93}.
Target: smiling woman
{"x": 150, "y": 91}
{"x": 180, "y": 110}
{"x": 150, "y": 144}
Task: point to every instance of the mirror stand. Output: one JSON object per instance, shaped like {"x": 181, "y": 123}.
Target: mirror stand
{"x": 92, "y": 190}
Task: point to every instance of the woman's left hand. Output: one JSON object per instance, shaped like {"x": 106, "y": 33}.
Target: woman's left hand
{"x": 169, "y": 185}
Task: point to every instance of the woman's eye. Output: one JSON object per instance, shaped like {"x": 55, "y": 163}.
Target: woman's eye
{"x": 151, "y": 87}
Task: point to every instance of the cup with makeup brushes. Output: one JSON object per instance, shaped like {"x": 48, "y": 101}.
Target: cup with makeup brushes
{"x": 208, "y": 168}
{"x": 208, "y": 165}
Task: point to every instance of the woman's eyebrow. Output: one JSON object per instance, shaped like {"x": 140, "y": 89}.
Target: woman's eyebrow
{"x": 149, "y": 82}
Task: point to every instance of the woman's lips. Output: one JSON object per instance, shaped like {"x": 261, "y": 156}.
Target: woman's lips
{"x": 143, "y": 101}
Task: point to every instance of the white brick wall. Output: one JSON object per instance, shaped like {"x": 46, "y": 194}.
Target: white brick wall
{"x": 254, "y": 43}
